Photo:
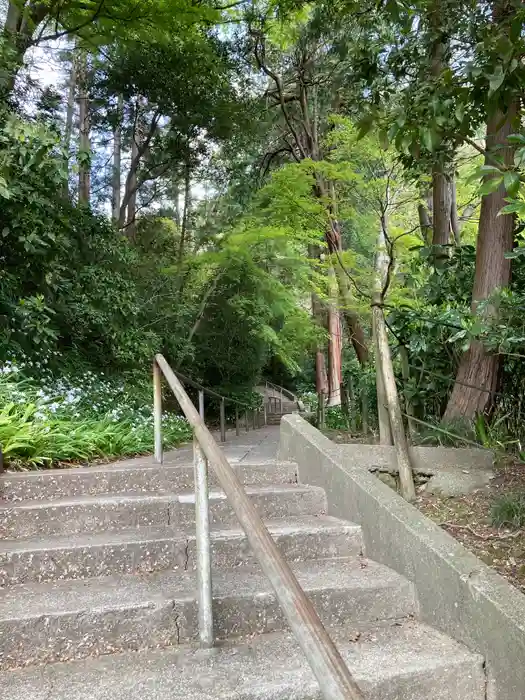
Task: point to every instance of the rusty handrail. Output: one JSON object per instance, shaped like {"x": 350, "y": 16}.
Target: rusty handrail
{"x": 284, "y": 392}
{"x": 334, "y": 678}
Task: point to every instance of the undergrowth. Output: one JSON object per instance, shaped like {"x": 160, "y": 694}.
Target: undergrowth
{"x": 47, "y": 421}
{"x": 509, "y": 510}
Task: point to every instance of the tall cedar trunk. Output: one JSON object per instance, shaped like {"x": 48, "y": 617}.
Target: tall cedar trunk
{"x": 70, "y": 109}
{"x": 479, "y": 368}
{"x": 455, "y": 223}
{"x": 351, "y": 320}
{"x": 117, "y": 150}
{"x": 70, "y": 113}
{"x": 319, "y": 315}
{"x": 84, "y": 171}
{"x": 333, "y": 325}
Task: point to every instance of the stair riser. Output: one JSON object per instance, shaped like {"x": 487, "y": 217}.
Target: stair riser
{"x": 68, "y": 484}
{"x": 162, "y": 623}
{"x": 158, "y": 511}
{"x": 169, "y": 554}
{"x": 464, "y": 681}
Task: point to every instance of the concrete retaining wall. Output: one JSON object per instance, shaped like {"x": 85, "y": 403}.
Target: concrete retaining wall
{"x": 458, "y": 594}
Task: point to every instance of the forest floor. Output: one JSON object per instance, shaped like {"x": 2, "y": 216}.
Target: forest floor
{"x": 468, "y": 518}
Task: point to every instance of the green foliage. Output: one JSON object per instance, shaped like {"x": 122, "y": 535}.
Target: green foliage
{"x": 46, "y": 421}
{"x": 509, "y": 510}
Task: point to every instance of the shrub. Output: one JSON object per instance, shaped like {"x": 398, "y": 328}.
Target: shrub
{"x": 77, "y": 418}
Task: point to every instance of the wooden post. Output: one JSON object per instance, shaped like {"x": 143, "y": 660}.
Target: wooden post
{"x": 223, "y": 421}
{"x": 406, "y": 478}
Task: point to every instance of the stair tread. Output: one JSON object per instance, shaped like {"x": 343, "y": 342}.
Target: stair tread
{"x": 25, "y": 601}
{"x": 184, "y": 496}
{"x": 173, "y": 462}
{"x": 390, "y": 662}
{"x": 312, "y": 523}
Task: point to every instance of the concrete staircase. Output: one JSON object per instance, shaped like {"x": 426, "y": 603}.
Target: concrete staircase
{"x": 278, "y": 404}
{"x": 98, "y": 597}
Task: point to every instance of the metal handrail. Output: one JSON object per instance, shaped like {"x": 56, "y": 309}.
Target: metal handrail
{"x": 334, "y": 678}
{"x": 210, "y": 392}
{"x": 256, "y": 413}
{"x": 284, "y": 392}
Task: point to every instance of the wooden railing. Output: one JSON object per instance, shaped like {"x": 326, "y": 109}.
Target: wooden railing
{"x": 333, "y": 676}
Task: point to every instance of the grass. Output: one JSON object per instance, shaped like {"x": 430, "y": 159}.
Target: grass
{"x": 46, "y": 421}
{"x": 509, "y": 510}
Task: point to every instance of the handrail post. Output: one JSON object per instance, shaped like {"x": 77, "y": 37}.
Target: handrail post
{"x": 223, "y": 421}
{"x": 202, "y": 527}
{"x": 335, "y": 680}
{"x": 157, "y": 412}
{"x": 237, "y": 427}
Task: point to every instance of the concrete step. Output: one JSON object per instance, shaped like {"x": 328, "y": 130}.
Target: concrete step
{"x": 403, "y": 661}
{"x": 115, "y": 512}
{"x": 143, "y": 550}
{"x": 42, "y": 623}
{"x": 133, "y": 475}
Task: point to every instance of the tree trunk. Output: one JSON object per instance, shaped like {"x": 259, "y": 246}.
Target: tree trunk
{"x": 117, "y": 149}
{"x": 455, "y": 223}
{"x": 385, "y": 432}
{"x": 186, "y": 211}
{"x": 334, "y": 345}
{"x": 354, "y": 329}
{"x": 406, "y": 478}
{"x": 70, "y": 113}
{"x": 131, "y": 211}
{"x": 441, "y": 210}
{"x": 321, "y": 382}
{"x": 22, "y": 19}
{"x": 478, "y": 367}
{"x": 70, "y": 110}
{"x": 176, "y": 203}
{"x": 425, "y": 223}
{"x": 84, "y": 169}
